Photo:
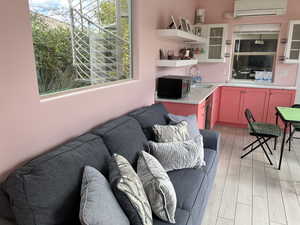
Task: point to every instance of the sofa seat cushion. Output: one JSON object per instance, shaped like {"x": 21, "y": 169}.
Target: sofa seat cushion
{"x": 189, "y": 182}
{"x": 47, "y": 189}
{"x": 181, "y": 217}
{"x": 149, "y": 116}
{"x": 123, "y": 136}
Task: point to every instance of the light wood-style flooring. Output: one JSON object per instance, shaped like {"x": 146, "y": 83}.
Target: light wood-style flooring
{"x": 251, "y": 192}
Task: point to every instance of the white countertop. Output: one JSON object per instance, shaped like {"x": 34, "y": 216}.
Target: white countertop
{"x": 196, "y": 96}
{"x": 200, "y": 93}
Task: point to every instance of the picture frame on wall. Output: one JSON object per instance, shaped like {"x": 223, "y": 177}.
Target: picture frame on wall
{"x": 188, "y": 26}
{"x": 172, "y": 24}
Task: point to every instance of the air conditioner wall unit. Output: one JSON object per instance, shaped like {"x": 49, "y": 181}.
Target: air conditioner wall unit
{"x": 259, "y": 7}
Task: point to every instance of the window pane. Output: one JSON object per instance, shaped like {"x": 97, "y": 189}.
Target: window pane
{"x": 216, "y": 32}
{"x": 296, "y": 32}
{"x": 244, "y": 67}
{"x": 80, "y": 43}
{"x": 294, "y": 54}
{"x": 295, "y": 44}
{"x": 215, "y": 52}
{"x": 215, "y": 41}
{"x": 253, "y": 45}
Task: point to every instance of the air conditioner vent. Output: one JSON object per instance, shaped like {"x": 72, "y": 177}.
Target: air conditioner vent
{"x": 259, "y": 7}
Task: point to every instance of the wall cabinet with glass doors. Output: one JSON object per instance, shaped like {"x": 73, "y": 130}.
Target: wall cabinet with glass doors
{"x": 214, "y": 49}
{"x": 293, "y": 44}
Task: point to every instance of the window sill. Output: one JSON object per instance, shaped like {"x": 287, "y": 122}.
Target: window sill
{"x": 83, "y": 90}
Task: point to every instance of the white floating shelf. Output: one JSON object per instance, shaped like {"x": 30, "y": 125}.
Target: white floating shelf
{"x": 176, "y": 63}
{"x": 179, "y": 35}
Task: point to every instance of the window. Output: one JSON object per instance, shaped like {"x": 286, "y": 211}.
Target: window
{"x": 78, "y": 43}
{"x": 252, "y": 53}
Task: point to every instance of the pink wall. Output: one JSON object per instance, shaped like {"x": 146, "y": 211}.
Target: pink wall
{"x": 219, "y": 72}
{"x": 29, "y": 125}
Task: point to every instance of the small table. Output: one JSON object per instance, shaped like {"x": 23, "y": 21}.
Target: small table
{"x": 288, "y": 115}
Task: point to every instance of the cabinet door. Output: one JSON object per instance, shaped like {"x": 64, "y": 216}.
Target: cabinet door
{"x": 230, "y": 105}
{"x": 216, "y": 42}
{"x": 278, "y": 98}
{"x": 256, "y": 101}
{"x": 293, "y": 45}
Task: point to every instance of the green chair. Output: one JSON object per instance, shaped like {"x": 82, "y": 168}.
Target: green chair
{"x": 263, "y": 132}
{"x": 294, "y": 127}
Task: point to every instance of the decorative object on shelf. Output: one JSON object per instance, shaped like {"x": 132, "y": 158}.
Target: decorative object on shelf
{"x": 228, "y": 42}
{"x": 227, "y": 55}
{"x": 186, "y": 53}
{"x": 171, "y": 55}
{"x": 197, "y": 30}
{"x": 162, "y": 54}
{"x": 188, "y": 26}
{"x": 200, "y": 16}
{"x": 173, "y": 24}
{"x": 283, "y": 41}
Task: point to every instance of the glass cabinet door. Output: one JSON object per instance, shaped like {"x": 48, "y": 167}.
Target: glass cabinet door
{"x": 295, "y": 43}
{"x": 215, "y": 46}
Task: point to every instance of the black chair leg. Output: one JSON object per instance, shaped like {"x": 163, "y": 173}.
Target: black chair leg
{"x": 256, "y": 147}
{"x": 266, "y": 154}
{"x": 275, "y": 143}
{"x": 250, "y": 145}
{"x": 268, "y": 147}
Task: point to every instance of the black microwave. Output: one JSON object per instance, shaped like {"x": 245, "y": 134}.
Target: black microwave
{"x": 173, "y": 87}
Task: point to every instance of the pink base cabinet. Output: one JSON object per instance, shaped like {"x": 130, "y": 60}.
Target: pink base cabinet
{"x": 261, "y": 102}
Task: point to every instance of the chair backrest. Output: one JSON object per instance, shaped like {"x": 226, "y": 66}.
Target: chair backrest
{"x": 250, "y": 118}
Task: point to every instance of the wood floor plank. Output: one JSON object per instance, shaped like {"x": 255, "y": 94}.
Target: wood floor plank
{"x": 245, "y": 185}
{"x": 229, "y": 200}
{"x": 243, "y": 214}
{"x": 275, "y": 202}
{"x": 214, "y": 202}
{"x": 222, "y": 221}
{"x": 291, "y": 203}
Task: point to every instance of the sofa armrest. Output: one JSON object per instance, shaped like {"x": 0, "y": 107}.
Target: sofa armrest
{"x": 211, "y": 139}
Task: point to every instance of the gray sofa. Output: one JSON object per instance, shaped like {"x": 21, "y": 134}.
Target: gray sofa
{"x": 46, "y": 191}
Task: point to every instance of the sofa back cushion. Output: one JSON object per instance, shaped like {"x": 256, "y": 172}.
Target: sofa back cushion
{"x": 149, "y": 116}
{"x": 47, "y": 189}
{"x": 123, "y": 136}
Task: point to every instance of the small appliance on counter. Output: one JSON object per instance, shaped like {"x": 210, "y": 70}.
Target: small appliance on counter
{"x": 173, "y": 87}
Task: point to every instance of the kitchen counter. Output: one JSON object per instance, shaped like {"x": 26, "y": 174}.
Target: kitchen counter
{"x": 196, "y": 96}
{"x": 200, "y": 93}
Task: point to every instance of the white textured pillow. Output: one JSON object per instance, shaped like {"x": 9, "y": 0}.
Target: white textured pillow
{"x": 171, "y": 133}
{"x": 178, "y": 155}
{"x": 158, "y": 187}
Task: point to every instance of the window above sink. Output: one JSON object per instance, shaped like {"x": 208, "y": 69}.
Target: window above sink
{"x": 254, "y": 53}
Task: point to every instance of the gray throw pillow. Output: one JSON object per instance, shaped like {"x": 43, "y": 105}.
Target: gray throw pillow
{"x": 158, "y": 187}
{"x": 129, "y": 191}
{"x": 178, "y": 155}
{"x": 191, "y": 120}
{"x": 171, "y": 133}
{"x": 98, "y": 202}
